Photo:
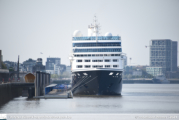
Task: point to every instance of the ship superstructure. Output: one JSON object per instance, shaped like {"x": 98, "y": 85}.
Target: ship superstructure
{"x": 96, "y": 62}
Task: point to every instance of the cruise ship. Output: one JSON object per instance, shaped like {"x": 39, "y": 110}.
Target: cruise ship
{"x": 96, "y": 62}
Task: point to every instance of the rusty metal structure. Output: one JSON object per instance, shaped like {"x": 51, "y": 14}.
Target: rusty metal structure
{"x": 29, "y": 78}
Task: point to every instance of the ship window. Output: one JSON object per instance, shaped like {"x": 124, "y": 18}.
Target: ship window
{"x": 97, "y": 60}
{"x": 79, "y": 66}
{"x": 85, "y": 55}
{"x": 99, "y": 50}
{"x": 97, "y": 66}
{"x": 115, "y": 60}
{"x": 112, "y": 54}
{"x": 117, "y": 54}
{"x": 101, "y": 54}
{"x": 95, "y": 44}
{"x": 93, "y": 54}
{"x": 87, "y": 60}
{"x": 87, "y": 66}
{"x": 107, "y": 66}
{"x": 109, "y": 54}
{"x": 115, "y": 65}
{"x": 78, "y": 55}
{"x": 78, "y": 60}
{"x": 97, "y": 54}
{"x": 99, "y": 38}
{"x": 89, "y": 54}
{"x": 107, "y": 60}
{"x": 105, "y": 54}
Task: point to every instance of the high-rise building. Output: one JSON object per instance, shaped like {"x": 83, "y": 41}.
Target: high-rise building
{"x": 163, "y": 56}
{"x": 59, "y": 68}
{"x": 174, "y": 55}
{"x": 51, "y": 62}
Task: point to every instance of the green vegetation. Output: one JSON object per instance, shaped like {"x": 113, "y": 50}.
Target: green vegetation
{"x": 3, "y": 66}
{"x": 145, "y": 74}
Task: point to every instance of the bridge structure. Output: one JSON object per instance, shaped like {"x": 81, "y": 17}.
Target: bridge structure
{"x": 4, "y": 75}
{"x": 7, "y": 76}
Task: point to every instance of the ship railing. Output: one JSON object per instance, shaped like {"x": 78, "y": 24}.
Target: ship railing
{"x": 99, "y": 38}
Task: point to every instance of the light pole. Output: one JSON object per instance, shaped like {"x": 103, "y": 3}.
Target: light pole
{"x": 130, "y": 60}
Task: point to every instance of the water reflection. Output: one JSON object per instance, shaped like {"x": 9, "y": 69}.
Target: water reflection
{"x": 134, "y": 99}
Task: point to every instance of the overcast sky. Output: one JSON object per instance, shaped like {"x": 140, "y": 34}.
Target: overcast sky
{"x": 28, "y": 27}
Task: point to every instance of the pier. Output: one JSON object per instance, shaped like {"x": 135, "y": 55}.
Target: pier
{"x": 41, "y": 87}
{"x": 8, "y": 91}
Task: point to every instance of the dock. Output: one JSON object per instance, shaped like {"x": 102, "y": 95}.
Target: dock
{"x": 56, "y": 94}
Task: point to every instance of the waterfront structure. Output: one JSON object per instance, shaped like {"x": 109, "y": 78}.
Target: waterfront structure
{"x": 59, "y": 68}
{"x": 96, "y": 63}
{"x": 137, "y": 73}
{"x": 51, "y": 62}
{"x": 10, "y": 64}
{"x": 68, "y": 69}
{"x": 154, "y": 71}
{"x": 22, "y": 68}
{"x": 174, "y": 56}
{"x": 124, "y": 62}
{"x": 163, "y": 56}
{"x": 50, "y": 71}
{"x": 39, "y": 66}
{"x": 29, "y": 64}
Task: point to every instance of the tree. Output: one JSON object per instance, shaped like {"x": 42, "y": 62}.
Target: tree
{"x": 3, "y": 66}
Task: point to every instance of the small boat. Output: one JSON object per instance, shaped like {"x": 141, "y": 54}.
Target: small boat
{"x": 160, "y": 79}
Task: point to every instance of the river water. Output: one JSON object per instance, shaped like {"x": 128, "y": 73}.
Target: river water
{"x": 135, "y": 98}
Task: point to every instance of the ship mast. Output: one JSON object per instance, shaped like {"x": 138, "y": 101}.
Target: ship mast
{"x": 96, "y": 27}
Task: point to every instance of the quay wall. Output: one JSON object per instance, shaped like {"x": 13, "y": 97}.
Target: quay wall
{"x": 8, "y": 92}
{"x": 146, "y": 82}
